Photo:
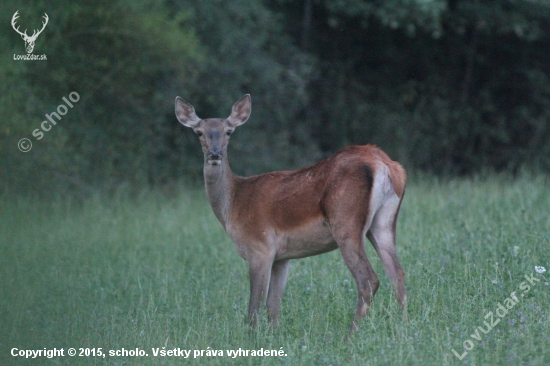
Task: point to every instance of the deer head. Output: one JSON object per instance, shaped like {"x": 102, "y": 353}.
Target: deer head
{"x": 29, "y": 40}
{"x": 213, "y": 132}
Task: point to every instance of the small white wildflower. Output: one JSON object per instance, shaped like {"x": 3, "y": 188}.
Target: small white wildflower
{"x": 494, "y": 282}
{"x": 540, "y": 269}
{"x": 346, "y": 282}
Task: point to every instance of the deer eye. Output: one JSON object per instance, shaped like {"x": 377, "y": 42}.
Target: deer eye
{"x": 229, "y": 132}
{"x": 199, "y": 133}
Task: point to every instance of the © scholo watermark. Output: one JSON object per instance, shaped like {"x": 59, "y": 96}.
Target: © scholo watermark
{"x": 500, "y": 311}
{"x": 25, "y": 145}
{"x": 29, "y": 40}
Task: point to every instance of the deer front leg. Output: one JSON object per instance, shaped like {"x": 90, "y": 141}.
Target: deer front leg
{"x": 279, "y": 275}
{"x": 260, "y": 273}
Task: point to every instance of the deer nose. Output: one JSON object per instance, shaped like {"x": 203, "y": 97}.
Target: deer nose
{"x": 215, "y": 154}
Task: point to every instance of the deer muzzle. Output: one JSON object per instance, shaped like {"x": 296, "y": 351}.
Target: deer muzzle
{"x": 214, "y": 156}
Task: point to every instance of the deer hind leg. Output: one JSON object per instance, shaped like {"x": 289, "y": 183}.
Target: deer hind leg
{"x": 279, "y": 275}
{"x": 382, "y": 236}
{"x": 346, "y": 208}
{"x": 353, "y": 252}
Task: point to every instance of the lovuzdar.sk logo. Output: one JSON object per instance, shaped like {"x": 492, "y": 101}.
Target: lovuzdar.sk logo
{"x": 29, "y": 40}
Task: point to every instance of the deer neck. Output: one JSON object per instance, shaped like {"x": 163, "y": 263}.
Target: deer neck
{"x": 219, "y": 182}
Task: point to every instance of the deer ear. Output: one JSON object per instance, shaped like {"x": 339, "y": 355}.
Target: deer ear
{"x": 185, "y": 113}
{"x": 240, "y": 111}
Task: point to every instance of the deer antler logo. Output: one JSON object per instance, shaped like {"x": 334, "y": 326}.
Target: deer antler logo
{"x": 29, "y": 41}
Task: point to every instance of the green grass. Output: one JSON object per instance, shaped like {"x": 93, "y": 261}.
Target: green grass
{"x": 154, "y": 270}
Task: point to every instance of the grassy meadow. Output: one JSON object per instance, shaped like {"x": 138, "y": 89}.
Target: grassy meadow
{"x": 157, "y": 270}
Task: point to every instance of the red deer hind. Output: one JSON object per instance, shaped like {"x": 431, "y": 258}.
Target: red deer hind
{"x": 275, "y": 217}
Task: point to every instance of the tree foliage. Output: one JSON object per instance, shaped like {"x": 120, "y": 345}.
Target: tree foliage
{"x": 445, "y": 86}
{"x": 126, "y": 60}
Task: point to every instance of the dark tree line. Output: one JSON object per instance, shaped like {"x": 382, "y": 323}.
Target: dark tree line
{"x": 444, "y": 86}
